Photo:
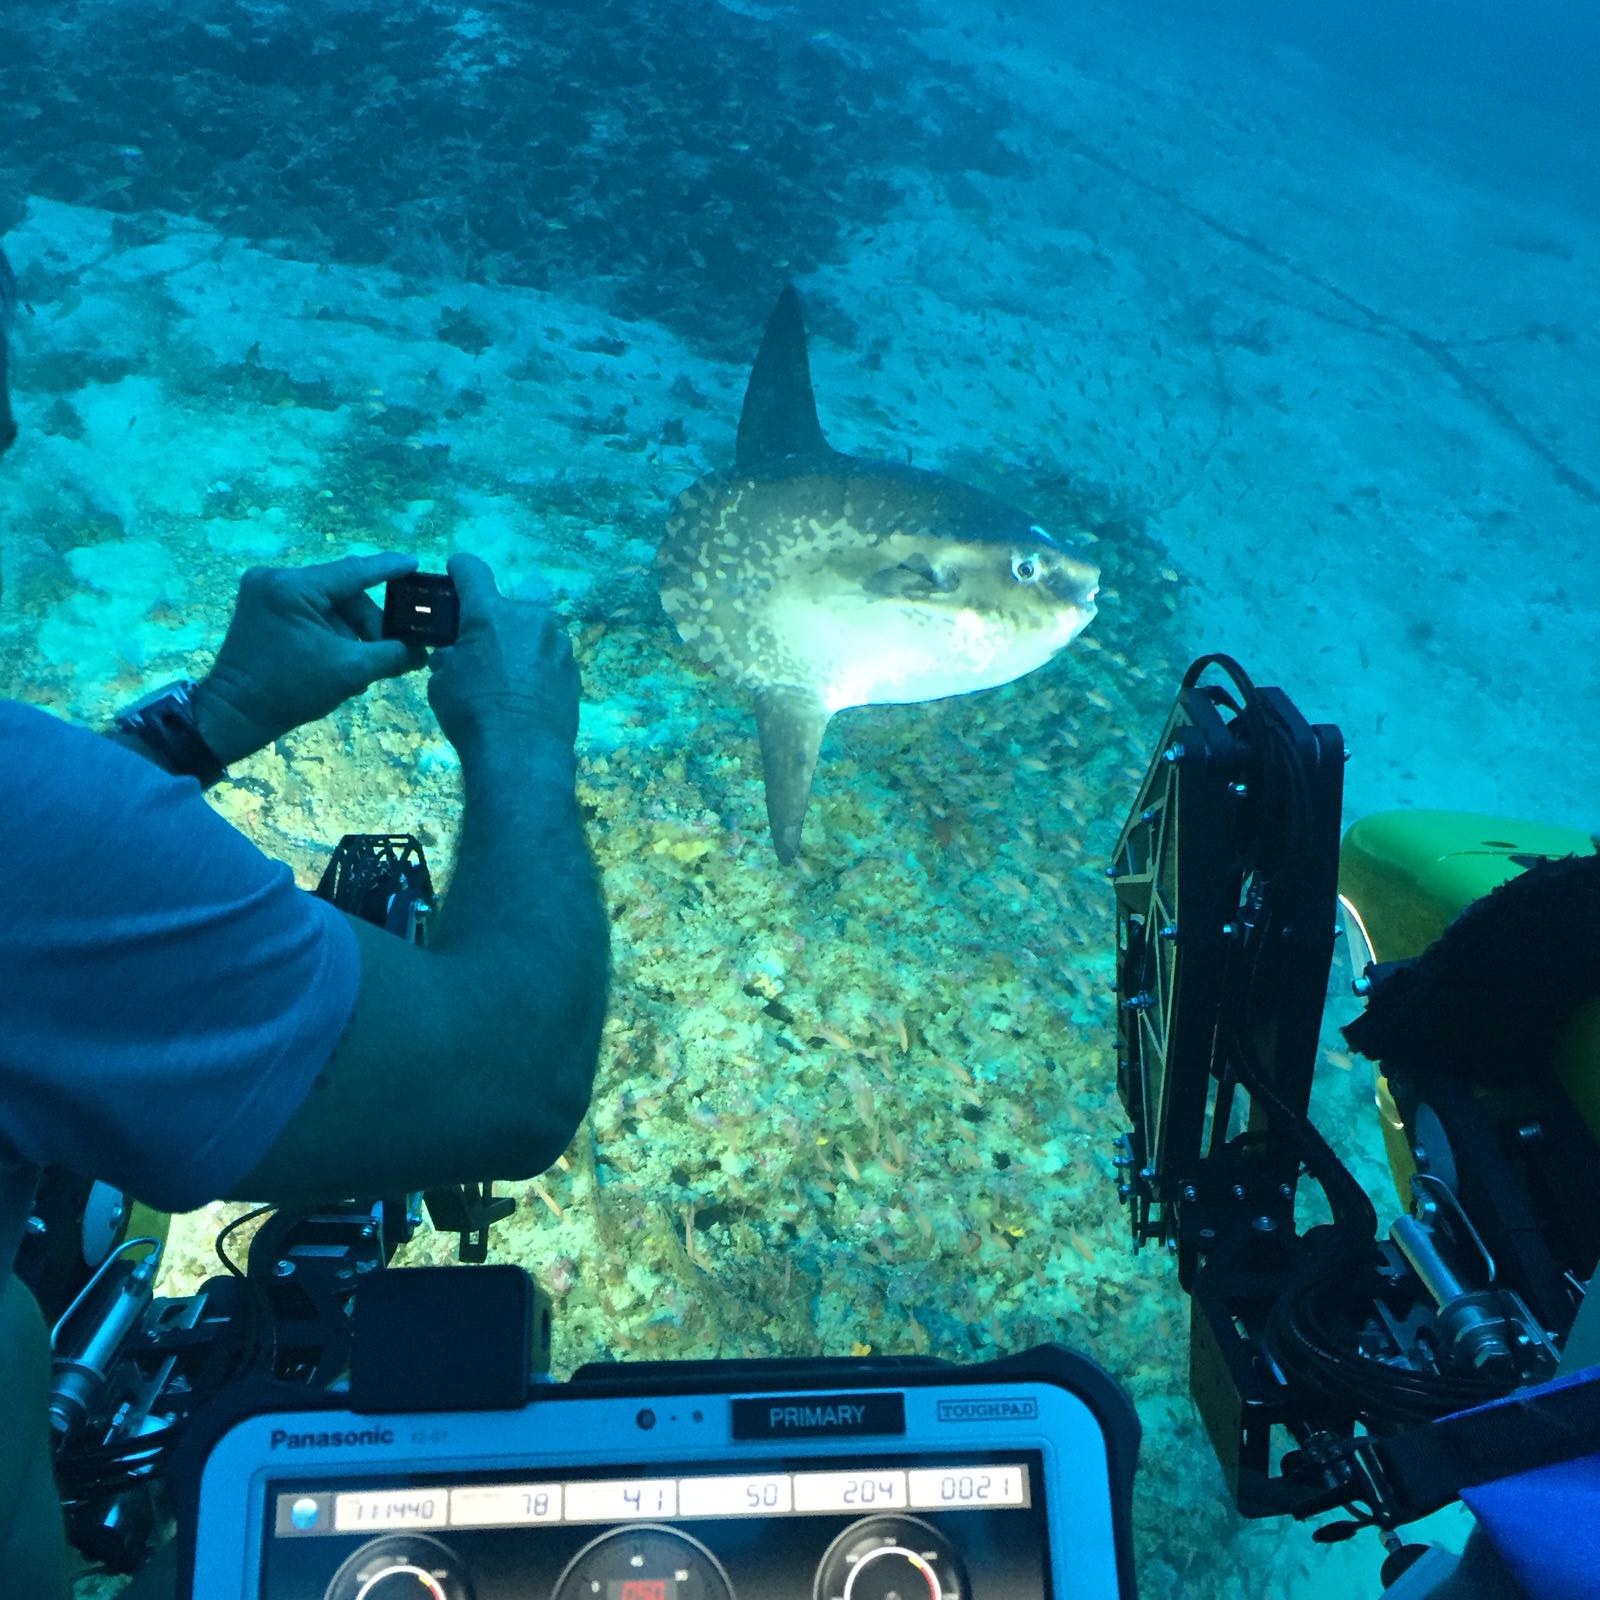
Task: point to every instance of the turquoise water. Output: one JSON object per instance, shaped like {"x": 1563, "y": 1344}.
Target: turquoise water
{"x": 1292, "y": 325}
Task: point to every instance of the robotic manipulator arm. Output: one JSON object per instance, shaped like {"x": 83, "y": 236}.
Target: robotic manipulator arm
{"x": 1354, "y": 1351}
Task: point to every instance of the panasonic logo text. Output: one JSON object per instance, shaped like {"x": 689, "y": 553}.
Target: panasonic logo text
{"x": 348, "y": 1439}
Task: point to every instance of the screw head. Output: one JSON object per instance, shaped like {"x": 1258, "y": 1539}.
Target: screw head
{"x": 283, "y": 1269}
{"x": 1173, "y": 752}
{"x": 1168, "y": 930}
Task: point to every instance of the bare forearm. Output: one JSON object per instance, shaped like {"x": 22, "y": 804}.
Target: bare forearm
{"x": 523, "y": 920}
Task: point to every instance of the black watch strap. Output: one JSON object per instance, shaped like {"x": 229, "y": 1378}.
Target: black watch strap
{"x": 166, "y": 722}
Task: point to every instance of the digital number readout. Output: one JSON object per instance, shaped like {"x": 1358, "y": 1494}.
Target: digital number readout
{"x": 850, "y": 1491}
{"x": 938, "y": 1488}
{"x": 619, "y": 1499}
{"x": 642, "y": 1589}
{"x": 363, "y": 1512}
{"x": 499, "y": 1505}
{"x": 771, "y": 1494}
{"x": 735, "y": 1497}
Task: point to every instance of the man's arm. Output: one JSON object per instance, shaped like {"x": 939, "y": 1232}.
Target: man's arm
{"x": 474, "y": 1056}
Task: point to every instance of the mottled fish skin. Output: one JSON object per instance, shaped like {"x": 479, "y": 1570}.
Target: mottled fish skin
{"x": 821, "y": 581}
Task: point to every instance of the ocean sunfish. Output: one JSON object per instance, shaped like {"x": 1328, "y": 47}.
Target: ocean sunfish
{"x": 820, "y": 580}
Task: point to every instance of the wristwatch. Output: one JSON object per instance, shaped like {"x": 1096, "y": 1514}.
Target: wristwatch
{"x": 164, "y": 719}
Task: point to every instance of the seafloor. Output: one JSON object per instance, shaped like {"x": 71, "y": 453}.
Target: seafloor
{"x": 1313, "y": 372}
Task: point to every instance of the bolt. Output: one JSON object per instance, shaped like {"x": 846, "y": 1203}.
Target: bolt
{"x": 1237, "y": 1191}
{"x": 1239, "y": 790}
{"x": 1168, "y": 930}
{"x": 1111, "y": 872}
{"x": 1149, "y": 814}
{"x": 368, "y": 1231}
{"x": 1207, "y": 1235}
{"x": 1346, "y": 749}
{"x": 38, "y": 1227}
{"x": 1230, "y": 930}
{"x": 1361, "y": 986}
{"x": 1173, "y": 752}
{"x": 283, "y": 1269}
{"x": 1148, "y": 1174}
{"x": 1264, "y": 1225}
{"x": 1338, "y": 930}
{"x": 1190, "y": 1192}
{"x": 1139, "y": 1002}
{"x": 1530, "y": 1133}
{"x": 1122, "y": 1161}
{"x": 1124, "y": 1190}
{"x": 1286, "y": 1191}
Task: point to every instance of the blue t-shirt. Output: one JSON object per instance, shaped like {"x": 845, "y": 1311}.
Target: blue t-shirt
{"x": 167, "y": 993}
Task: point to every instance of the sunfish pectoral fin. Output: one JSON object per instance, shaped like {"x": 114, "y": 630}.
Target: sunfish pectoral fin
{"x": 791, "y": 722}
{"x": 915, "y": 578}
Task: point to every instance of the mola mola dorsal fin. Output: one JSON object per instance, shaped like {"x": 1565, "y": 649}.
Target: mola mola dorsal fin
{"x": 779, "y": 421}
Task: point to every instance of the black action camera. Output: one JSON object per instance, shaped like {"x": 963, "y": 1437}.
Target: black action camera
{"x": 422, "y": 609}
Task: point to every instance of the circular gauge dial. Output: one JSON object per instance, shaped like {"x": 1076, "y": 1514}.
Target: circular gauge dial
{"x": 644, "y": 1562}
{"x": 890, "y": 1558}
{"x": 401, "y": 1566}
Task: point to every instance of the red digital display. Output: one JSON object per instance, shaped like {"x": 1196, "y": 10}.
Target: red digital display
{"x": 642, "y": 1589}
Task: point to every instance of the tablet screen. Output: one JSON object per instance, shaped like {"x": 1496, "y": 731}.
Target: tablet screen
{"x": 889, "y": 1527}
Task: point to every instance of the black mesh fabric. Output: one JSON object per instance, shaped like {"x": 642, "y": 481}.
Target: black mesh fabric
{"x": 1491, "y": 997}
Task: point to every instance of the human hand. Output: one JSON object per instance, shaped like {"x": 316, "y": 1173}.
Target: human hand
{"x": 511, "y": 666}
{"x": 303, "y": 640}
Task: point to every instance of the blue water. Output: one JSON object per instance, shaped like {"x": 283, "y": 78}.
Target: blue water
{"x": 1286, "y": 314}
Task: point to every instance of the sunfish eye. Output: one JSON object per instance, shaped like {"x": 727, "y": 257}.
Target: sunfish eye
{"x": 1024, "y": 569}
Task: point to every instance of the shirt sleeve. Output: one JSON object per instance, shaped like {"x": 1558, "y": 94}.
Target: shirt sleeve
{"x": 167, "y": 993}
